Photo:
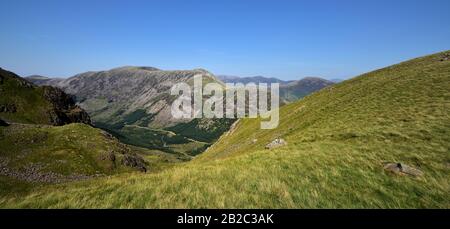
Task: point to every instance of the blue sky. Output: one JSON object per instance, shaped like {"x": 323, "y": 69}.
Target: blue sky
{"x": 284, "y": 39}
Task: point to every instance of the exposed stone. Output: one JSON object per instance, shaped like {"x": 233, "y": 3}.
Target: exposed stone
{"x": 32, "y": 173}
{"x": 134, "y": 162}
{"x": 65, "y": 110}
{"x": 108, "y": 156}
{"x": 445, "y": 57}
{"x": 402, "y": 169}
{"x": 278, "y": 142}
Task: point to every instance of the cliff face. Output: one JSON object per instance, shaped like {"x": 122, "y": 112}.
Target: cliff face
{"x": 24, "y": 102}
{"x": 64, "y": 110}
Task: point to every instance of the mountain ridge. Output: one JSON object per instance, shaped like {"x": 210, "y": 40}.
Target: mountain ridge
{"x": 290, "y": 90}
{"x": 122, "y": 99}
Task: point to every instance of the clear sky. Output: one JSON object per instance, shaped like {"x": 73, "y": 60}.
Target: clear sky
{"x": 277, "y": 38}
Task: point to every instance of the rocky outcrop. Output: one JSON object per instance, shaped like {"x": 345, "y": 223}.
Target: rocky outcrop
{"x": 125, "y": 157}
{"x": 34, "y": 173}
{"x": 134, "y": 161}
{"x": 278, "y": 142}
{"x": 402, "y": 169}
{"x": 64, "y": 110}
{"x": 445, "y": 56}
{"x": 23, "y": 101}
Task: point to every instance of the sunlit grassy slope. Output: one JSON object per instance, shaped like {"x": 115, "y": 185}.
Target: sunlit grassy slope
{"x": 71, "y": 152}
{"x": 27, "y": 100}
{"x": 338, "y": 140}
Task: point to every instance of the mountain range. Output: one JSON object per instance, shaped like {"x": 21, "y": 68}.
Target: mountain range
{"x": 378, "y": 140}
{"x": 46, "y": 138}
{"x": 133, "y": 103}
{"x": 290, "y": 90}
{"x": 251, "y": 79}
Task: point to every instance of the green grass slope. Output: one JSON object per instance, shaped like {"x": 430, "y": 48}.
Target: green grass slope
{"x": 21, "y": 101}
{"x": 403, "y": 103}
{"x": 46, "y": 154}
{"x": 24, "y": 102}
{"x": 338, "y": 141}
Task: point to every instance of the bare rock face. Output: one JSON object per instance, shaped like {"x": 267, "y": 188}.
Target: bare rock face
{"x": 278, "y": 142}
{"x": 402, "y": 169}
{"x": 126, "y": 158}
{"x": 65, "y": 110}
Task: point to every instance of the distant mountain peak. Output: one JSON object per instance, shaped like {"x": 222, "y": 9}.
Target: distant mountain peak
{"x": 38, "y": 77}
{"x": 254, "y": 79}
{"x": 131, "y": 68}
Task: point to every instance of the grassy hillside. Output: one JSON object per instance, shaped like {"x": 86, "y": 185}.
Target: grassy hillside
{"x": 20, "y": 101}
{"x": 23, "y": 102}
{"x": 43, "y": 154}
{"x": 338, "y": 142}
{"x": 404, "y": 103}
{"x": 34, "y": 153}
